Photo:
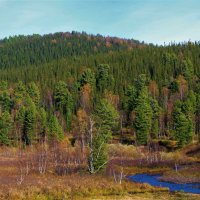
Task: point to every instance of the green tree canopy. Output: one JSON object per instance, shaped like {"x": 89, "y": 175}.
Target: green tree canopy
{"x": 5, "y": 127}
{"x": 64, "y": 101}
{"x": 143, "y": 118}
{"x": 88, "y": 77}
{"x": 55, "y": 131}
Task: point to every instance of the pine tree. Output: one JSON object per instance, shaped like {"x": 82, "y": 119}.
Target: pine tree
{"x": 34, "y": 93}
{"x": 104, "y": 79}
{"x": 188, "y": 69}
{"x": 20, "y": 116}
{"x": 129, "y": 101}
{"x": 182, "y": 125}
{"x": 197, "y": 117}
{"x": 64, "y": 102}
{"x": 55, "y": 131}
{"x": 42, "y": 123}
{"x": 5, "y": 127}
{"x": 106, "y": 115}
{"x": 19, "y": 93}
{"x": 140, "y": 82}
{"x": 5, "y": 100}
{"x": 174, "y": 86}
{"x": 155, "y": 117}
{"x": 189, "y": 109}
{"x": 87, "y": 77}
{"x": 106, "y": 118}
{"x": 29, "y": 123}
{"x": 143, "y": 117}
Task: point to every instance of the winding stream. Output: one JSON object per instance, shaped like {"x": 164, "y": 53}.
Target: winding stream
{"x": 154, "y": 181}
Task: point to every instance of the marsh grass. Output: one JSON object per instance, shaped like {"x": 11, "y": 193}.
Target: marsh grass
{"x": 67, "y": 176}
{"x": 186, "y": 174}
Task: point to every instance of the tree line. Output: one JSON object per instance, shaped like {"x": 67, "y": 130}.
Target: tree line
{"x": 154, "y": 90}
{"x": 171, "y": 113}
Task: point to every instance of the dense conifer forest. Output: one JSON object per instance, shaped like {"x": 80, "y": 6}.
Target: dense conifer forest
{"x": 60, "y": 85}
{"x": 92, "y": 113}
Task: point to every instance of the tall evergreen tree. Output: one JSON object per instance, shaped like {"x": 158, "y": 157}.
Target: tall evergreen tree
{"x": 188, "y": 69}
{"x": 140, "y": 82}
{"x": 87, "y": 77}
{"x": 105, "y": 80}
{"x": 5, "y": 127}
{"x": 19, "y": 94}
{"x": 34, "y": 92}
{"x": 64, "y": 102}
{"x": 5, "y": 100}
{"x": 182, "y": 125}
{"x": 106, "y": 118}
{"x": 55, "y": 131}
{"x": 42, "y": 123}
{"x": 155, "y": 117}
{"x": 189, "y": 108}
{"x": 20, "y": 117}
{"x": 29, "y": 123}
{"x": 143, "y": 117}
{"x": 129, "y": 101}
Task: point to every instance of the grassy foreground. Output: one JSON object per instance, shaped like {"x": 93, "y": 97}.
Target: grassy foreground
{"x": 20, "y": 179}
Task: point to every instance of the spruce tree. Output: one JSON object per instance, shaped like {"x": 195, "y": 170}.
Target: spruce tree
{"x": 29, "y": 122}
{"x": 182, "y": 125}
{"x": 106, "y": 115}
{"x": 19, "y": 93}
{"x": 104, "y": 79}
{"x": 140, "y": 82}
{"x": 129, "y": 100}
{"x": 64, "y": 102}
{"x": 55, "y": 131}
{"x": 5, "y": 101}
{"x": 197, "y": 117}
{"x": 42, "y": 123}
{"x": 106, "y": 118}
{"x": 5, "y": 127}
{"x": 187, "y": 69}
{"x": 189, "y": 109}
{"x": 20, "y": 116}
{"x": 155, "y": 117}
{"x": 34, "y": 93}
{"x": 143, "y": 117}
{"x": 87, "y": 77}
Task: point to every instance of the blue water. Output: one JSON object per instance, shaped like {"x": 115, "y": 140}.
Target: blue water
{"x": 154, "y": 181}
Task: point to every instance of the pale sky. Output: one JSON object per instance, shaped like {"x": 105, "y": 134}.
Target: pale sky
{"x": 155, "y": 21}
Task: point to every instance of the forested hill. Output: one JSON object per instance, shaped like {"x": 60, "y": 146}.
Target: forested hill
{"x": 63, "y": 56}
{"x": 59, "y": 82}
{"x": 35, "y": 49}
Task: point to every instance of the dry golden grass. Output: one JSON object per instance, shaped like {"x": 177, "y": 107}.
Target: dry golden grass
{"x": 151, "y": 196}
{"x": 128, "y": 151}
{"x": 81, "y": 185}
{"x": 187, "y": 174}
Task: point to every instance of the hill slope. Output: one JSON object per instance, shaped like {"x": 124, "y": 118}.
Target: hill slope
{"x": 25, "y": 50}
{"x": 154, "y": 89}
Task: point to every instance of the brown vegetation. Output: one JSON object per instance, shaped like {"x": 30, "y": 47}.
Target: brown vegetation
{"x": 60, "y": 172}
